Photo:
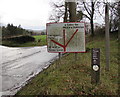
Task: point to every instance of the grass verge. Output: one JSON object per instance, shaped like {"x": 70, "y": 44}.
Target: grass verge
{"x": 70, "y": 77}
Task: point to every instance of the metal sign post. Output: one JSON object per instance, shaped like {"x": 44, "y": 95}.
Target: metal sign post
{"x": 59, "y": 54}
{"x": 95, "y": 74}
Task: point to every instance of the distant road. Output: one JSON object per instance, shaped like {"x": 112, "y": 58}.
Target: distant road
{"x": 20, "y": 64}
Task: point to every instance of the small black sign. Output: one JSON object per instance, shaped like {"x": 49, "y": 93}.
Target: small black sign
{"x": 95, "y": 76}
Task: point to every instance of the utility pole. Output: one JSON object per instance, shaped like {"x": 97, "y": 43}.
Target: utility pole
{"x": 107, "y": 36}
{"x": 119, "y": 22}
{"x": 118, "y": 47}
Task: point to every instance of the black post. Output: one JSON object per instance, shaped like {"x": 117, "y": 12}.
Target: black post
{"x": 95, "y": 74}
{"x": 59, "y": 58}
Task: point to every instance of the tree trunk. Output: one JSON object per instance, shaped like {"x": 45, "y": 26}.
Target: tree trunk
{"x": 92, "y": 27}
{"x": 72, "y": 12}
{"x": 66, "y": 15}
{"x": 91, "y": 21}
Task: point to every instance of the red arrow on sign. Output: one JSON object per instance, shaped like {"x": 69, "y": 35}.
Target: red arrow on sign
{"x": 65, "y": 45}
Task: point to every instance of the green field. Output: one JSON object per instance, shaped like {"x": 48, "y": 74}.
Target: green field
{"x": 40, "y": 40}
{"x": 70, "y": 77}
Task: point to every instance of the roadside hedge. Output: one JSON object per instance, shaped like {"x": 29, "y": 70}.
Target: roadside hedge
{"x": 22, "y": 39}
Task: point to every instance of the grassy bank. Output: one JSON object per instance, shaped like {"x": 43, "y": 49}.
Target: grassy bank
{"x": 40, "y": 40}
{"x": 70, "y": 77}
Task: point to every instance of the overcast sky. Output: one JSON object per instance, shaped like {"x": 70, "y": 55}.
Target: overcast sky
{"x": 30, "y": 14}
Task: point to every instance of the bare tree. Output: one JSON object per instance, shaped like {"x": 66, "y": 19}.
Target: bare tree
{"x": 89, "y": 11}
{"x": 114, "y": 16}
{"x": 89, "y": 8}
{"x": 62, "y": 11}
{"x": 58, "y": 11}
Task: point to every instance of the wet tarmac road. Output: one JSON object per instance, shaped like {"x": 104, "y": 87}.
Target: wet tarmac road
{"x": 20, "y": 64}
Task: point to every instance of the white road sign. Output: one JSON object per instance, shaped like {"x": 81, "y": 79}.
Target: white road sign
{"x": 66, "y": 37}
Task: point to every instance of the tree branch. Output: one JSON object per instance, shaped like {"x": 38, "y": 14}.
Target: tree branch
{"x": 86, "y": 9}
{"x": 87, "y": 16}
